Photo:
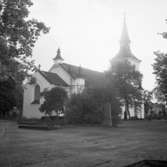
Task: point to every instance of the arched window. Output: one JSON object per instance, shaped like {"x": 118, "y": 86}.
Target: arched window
{"x": 36, "y": 95}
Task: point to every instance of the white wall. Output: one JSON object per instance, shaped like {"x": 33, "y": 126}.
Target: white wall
{"x": 78, "y": 86}
{"x": 131, "y": 111}
{"x": 140, "y": 113}
{"x": 42, "y": 82}
{"x": 32, "y": 110}
{"x": 134, "y": 63}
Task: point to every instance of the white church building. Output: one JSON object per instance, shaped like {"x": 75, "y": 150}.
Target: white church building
{"x": 74, "y": 79}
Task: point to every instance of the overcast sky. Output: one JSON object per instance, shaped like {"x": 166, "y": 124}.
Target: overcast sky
{"x": 88, "y": 32}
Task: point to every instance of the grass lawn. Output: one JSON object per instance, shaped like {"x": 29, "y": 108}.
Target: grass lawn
{"x": 83, "y": 146}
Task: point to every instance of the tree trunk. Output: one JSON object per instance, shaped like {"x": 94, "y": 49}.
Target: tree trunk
{"x": 127, "y": 109}
{"x": 135, "y": 110}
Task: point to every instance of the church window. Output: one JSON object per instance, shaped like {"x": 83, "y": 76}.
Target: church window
{"x": 36, "y": 95}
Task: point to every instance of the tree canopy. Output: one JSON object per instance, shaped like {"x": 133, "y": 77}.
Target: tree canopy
{"x": 18, "y": 35}
{"x": 147, "y": 97}
{"x": 127, "y": 83}
{"x": 7, "y": 97}
{"x": 160, "y": 70}
{"x": 54, "y": 100}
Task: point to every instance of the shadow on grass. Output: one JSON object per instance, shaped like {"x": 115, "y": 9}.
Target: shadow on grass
{"x": 149, "y": 163}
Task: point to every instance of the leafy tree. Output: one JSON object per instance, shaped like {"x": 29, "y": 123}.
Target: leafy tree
{"x": 7, "y": 97}
{"x": 160, "y": 70}
{"x": 127, "y": 83}
{"x": 18, "y": 35}
{"x": 54, "y": 100}
{"x": 158, "y": 95}
{"x": 147, "y": 97}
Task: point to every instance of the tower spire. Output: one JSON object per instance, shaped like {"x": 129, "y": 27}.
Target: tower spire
{"x": 124, "y": 53}
{"x": 58, "y": 57}
{"x": 124, "y": 41}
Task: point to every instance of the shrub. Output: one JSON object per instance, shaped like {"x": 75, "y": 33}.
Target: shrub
{"x": 83, "y": 109}
{"x": 88, "y": 108}
{"x": 54, "y": 101}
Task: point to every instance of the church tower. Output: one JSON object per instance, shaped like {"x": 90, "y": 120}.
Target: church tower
{"x": 125, "y": 53}
{"x": 58, "y": 59}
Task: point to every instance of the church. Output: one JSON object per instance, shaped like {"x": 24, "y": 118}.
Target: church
{"x": 74, "y": 79}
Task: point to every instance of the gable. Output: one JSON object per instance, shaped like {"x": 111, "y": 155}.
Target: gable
{"x": 41, "y": 81}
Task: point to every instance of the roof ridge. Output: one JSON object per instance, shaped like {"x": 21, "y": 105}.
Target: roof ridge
{"x": 83, "y": 68}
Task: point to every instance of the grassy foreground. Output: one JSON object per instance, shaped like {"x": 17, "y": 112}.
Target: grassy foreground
{"x": 83, "y": 146}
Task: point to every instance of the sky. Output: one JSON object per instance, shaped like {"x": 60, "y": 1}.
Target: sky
{"x": 88, "y": 32}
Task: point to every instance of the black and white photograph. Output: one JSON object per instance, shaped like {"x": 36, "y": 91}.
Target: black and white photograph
{"x": 83, "y": 83}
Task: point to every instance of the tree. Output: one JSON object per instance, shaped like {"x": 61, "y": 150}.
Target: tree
{"x": 18, "y": 35}
{"x": 127, "y": 82}
{"x": 7, "y": 97}
{"x": 158, "y": 95}
{"x": 147, "y": 96}
{"x": 160, "y": 70}
{"x": 54, "y": 100}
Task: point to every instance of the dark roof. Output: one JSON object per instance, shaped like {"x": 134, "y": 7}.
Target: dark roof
{"x": 53, "y": 78}
{"x": 92, "y": 78}
{"x": 58, "y": 57}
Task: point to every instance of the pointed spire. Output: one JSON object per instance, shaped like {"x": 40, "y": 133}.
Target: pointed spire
{"x": 124, "y": 53}
{"x": 58, "y": 57}
{"x": 124, "y": 41}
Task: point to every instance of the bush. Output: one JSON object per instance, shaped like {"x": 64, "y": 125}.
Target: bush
{"x": 88, "y": 108}
{"x": 54, "y": 100}
{"x": 83, "y": 109}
